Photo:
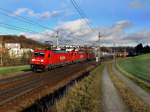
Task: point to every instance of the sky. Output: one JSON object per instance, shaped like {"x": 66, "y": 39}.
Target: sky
{"x": 123, "y": 22}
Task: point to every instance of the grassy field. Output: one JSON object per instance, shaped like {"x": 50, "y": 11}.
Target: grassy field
{"x": 15, "y": 69}
{"x": 138, "y": 66}
{"x": 84, "y": 96}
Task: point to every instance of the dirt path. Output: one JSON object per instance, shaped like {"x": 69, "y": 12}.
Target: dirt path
{"x": 111, "y": 100}
{"x": 136, "y": 89}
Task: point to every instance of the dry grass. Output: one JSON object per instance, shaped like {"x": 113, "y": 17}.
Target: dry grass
{"x": 84, "y": 96}
{"x": 134, "y": 103}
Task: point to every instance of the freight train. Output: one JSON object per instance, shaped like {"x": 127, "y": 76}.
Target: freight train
{"x": 48, "y": 59}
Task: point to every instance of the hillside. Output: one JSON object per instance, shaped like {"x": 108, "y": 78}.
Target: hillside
{"x": 25, "y": 42}
{"x": 137, "y": 66}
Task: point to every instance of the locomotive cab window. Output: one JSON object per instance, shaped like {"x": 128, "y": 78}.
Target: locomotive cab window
{"x": 39, "y": 54}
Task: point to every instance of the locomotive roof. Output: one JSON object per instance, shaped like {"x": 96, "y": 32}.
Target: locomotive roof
{"x": 56, "y": 51}
{"x": 60, "y": 51}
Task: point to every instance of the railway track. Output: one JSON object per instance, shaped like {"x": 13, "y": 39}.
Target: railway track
{"x": 17, "y": 89}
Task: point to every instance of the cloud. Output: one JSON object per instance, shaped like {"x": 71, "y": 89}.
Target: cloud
{"x": 43, "y": 15}
{"x": 77, "y": 32}
{"x": 139, "y": 36}
{"x": 136, "y": 4}
{"x": 20, "y": 11}
{"x": 121, "y": 25}
{"x": 48, "y": 14}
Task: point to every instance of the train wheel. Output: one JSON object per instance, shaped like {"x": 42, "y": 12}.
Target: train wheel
{"x": 34, "y": 69}
{"x": 45, "y": 69}
{"x": 49, "y": 68}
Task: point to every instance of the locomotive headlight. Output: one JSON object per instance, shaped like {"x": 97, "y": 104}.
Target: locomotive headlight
{"x": 42, "y": 60}
{"x": 33, "y": 59}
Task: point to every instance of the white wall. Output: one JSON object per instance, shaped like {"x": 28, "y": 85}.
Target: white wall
{"x": 16, "y": 53}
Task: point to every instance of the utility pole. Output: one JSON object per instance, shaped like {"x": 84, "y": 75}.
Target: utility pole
{"x": 98, "y": 57}
{"x": 57, "y": 36}
{"x": 114, "y": 45}
{"x": 99, "y": 37}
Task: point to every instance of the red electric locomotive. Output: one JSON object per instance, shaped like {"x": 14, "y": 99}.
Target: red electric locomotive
{"x": 48, "y": 59}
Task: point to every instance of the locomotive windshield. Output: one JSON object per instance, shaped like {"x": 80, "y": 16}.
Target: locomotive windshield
{"x": 39, "y": 54}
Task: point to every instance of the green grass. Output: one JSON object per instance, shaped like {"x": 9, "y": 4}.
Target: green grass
{"x": 84, "y": 96}
{"x": 138, "y": 66}
{"x": 15, "y": 69}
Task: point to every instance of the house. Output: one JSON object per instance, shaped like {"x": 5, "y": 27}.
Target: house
{"x": 16, "y": 52}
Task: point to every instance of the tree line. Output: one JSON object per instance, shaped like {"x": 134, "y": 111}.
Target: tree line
{"x": 140, "y": 49}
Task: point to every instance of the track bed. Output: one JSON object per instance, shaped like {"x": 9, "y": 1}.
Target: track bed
{"x": 17, "y": 93}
